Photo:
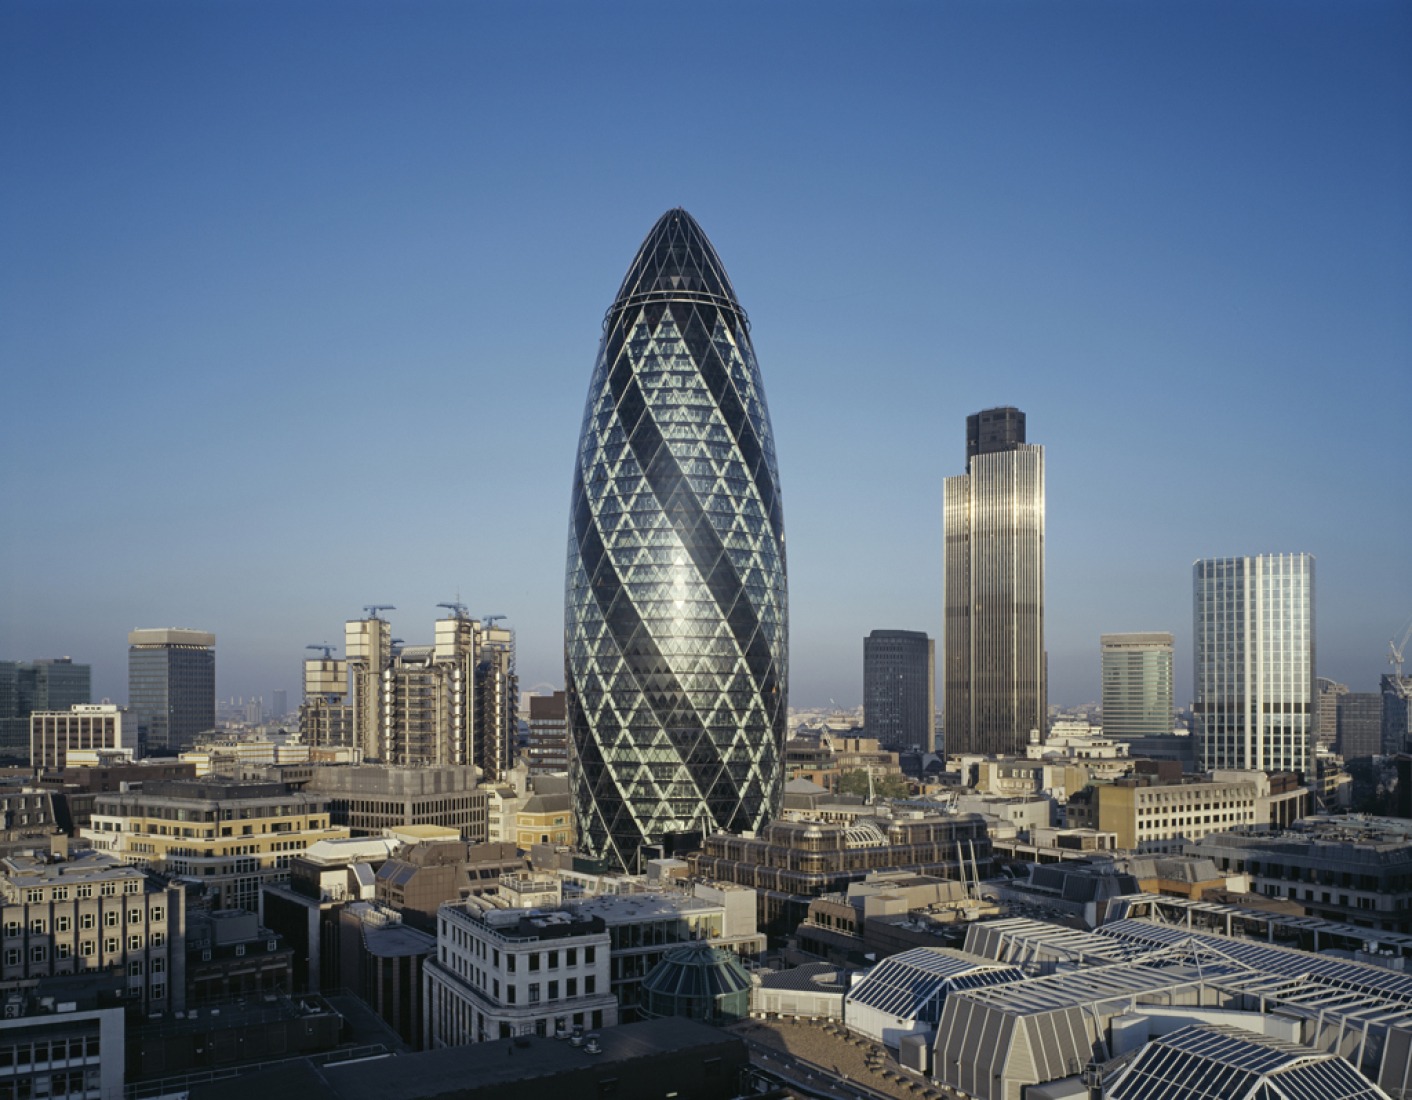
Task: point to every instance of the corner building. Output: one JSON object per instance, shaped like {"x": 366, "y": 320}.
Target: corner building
{"x": 676, "y": 620}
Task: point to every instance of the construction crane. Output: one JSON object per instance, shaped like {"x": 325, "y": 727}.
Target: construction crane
{"x": 1396, "y": 650}
{"x": 490, "y": 620}
{"x": 373, "y": 608}
{"x": 325, "y": 648}
{"x": 456, "y": 609}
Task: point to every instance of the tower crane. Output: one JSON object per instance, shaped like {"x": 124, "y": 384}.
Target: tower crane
{"x": 457, "y": 609}
{"x": 490, "y": 620}
{"x": 373, "y": 608}
{"x": 1395, "y": 650}
{"x": 326, "y": 649}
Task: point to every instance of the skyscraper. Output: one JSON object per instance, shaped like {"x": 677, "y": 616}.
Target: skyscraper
{"x": 899, "y": 688}
{"x": 1253, "y": 623}
{"x": 49, "y": 683}
{"x": 676, "y": 621}
{"x": 1136, "y": 674}
{"x": 171, "y": 685}
{"x": 1360, "y": 725}
{"x": 994, "y": 671}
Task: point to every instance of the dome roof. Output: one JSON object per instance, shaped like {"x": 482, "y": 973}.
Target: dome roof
{"x": 698, "y": 981}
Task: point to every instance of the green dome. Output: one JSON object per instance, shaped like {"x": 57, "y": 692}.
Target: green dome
{"x": 700, "y": 982}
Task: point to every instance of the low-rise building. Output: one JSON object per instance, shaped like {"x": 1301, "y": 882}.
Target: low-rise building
{"x": 1354, "y": 870}
{"x": 88, "y": 913}
{"x": 792, "y": 862}
{"x": 500, "y": 973}
{"x": 229, "y": 836}
{"x": 369, "y": 798}
{"x": 53, "y": 734}
{"x": 71, "y": 1053}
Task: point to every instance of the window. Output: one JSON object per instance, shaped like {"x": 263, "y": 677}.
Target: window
{"x": 158, "y": 939}
{"x": 108, "y": 889}
{"x": 553, "y": 991}
{"x": 63, "y": 924}
{"x": 159, "y": 965}
{"x": 12, "y": 956}
{"x": 134, "y": 916}
{"x": 85, "y": 891}
{"x": 89, "y": 948}
{"x": 110, "y": 919}
{"x": 157, "y": 913}
{"x": 571, "y": 987}
{"x": 134, "y": 943}
{"x": 589, "y": 983}
{"x": 38, "y": 953}
{"x": 110, "y": 945}
{"x": 534, "y": 961}
{"x": 37, "y": 925}
{"x": 553, "y": 960}
{"x": 85, "y": 920}
{"x": 534, "y": 993}
{"x": 159, "y": 990}
{"x": 63, "y": 950}
{"x": 588, "y": 956}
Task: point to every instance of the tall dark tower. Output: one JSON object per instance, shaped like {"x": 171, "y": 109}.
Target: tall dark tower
{"x": 676, "y": 610}
{"x": 994, "y": 684}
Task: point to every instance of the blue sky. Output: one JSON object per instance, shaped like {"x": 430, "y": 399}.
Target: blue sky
{"x": 299, "y": 304}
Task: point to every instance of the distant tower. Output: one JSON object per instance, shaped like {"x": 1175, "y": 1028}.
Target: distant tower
{"x": 1326, "y": 711}
{"x": 1360, "y": 725}
{"x": 171, "y": 679}
{"x": 1397, "y": 713}
{"x": 993, "y": 651}
{"x": 899, "y": 688}
{"x": 1253, "y": 623}
{"x": 1136, "y": 675}
{"x": 27, "y": 687}
{"x": 675, "y": 626}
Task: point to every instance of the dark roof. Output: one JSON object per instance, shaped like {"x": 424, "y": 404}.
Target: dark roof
{"x": 810, "y": 978}
{"x": 454, "y": 1071}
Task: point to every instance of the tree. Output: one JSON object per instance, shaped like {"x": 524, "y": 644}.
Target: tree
{"x": 884, "y": 786}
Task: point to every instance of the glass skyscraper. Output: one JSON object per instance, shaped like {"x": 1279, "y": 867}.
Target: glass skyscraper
{"x": 1136, "y": 673}
{"x": 899, "y": 688}
{"x": 676, "y": 613}
{"x": 1254, "y": 662}
{"x": 993, "y": 659}
{"x": 171, "y": 687}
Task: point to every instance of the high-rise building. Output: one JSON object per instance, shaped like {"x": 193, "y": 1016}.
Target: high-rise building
{"x": 452, "y": 702}
{"x": 1360, "y": 724}
{"x": 548, "y": 734}
{"x": 994, "y": 672}
{"x": 1136, "y": 674}
{"x": 1397, "y": 714}
{"x": 53, "y": 683}
{"x": 279, "y": 703}
{"x": 1326, "y": 711}
{"x": 676, "y": 616}
{"x": 899, "y": 688}
{"x": 171, "y": 684}
{"x": 1253, "y": 623}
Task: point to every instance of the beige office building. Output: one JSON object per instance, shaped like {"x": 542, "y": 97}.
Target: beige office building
{"x": 53, "y": 734}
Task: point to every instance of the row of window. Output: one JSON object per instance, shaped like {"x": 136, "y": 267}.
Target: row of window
{"x": 111, "y": 919}
{"x": 38, "y": 895}
{"x": 39, "y": 953}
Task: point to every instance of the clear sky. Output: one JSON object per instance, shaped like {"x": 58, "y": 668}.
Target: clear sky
{"x": 299, "y": 304}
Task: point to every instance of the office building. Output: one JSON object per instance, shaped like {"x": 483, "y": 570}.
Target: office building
{"x": 504, "y": 972}
{"x": 54, "y": 683}
{"x": 1351, "y": 869}
{"x": 1397, "y": 714}
{"x": 1136, "y": 674}
{"x": 171, "y": 684}
{"x": 67, "y": 915}
{"x": 993, "y": 655}
{"x": 53, "y": 734}
{"x": 448, "y": 703}
{"x": 370, "y": 799}
{"x": 229, "y": 837}
{"x": 279, "y": 703}
{"x": 675, "y": 631}
{"x": 1254, "y": 662}
{"x": 899, "y": 688}
{"x": 1326, "y": 712}
{"x": 548, "y": 734}
{"x": 1360, "y": 725}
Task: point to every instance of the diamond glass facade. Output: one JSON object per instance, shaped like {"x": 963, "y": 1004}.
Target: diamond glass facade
{"x": 676, "y": 621}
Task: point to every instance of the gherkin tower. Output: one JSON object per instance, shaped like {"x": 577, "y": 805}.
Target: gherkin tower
{"x": 676, "y": 612}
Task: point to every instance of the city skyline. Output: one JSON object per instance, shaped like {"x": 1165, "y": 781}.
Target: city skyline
{"x": 277, "y": 285}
